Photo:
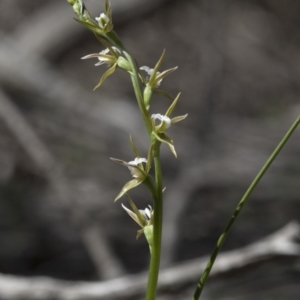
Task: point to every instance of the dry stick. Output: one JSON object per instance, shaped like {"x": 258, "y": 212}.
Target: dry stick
{"x": 281, "y": 243}
{"x": 91, "y": 235}
{"x": 238, "y": 209}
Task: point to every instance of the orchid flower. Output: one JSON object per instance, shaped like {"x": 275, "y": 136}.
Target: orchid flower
{"x": 109, "y": 56}
{"x": 153, "y": 80}
{"x": 144, "y": 218}
{"x": 139, "y": 169}
{"x": 165, "y": 122}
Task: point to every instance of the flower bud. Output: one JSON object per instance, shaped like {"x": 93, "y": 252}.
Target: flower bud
{"x": 123, "y": 64}
{"x": 77, "y": 8}
{"x": 147, "y": 96}
{"x": 148, "y": 231}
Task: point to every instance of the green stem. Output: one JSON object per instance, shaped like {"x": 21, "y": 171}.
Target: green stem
{"x": 139, "y": 95}
{"x": 223, "y": 236}
{"x": 157, "y": 227}
{"x": 112, "y": 36}
{"x": 158, "y": 197}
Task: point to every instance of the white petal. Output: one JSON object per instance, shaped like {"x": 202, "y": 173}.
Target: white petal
{"x": 147, "y": 212}
{"x": 105, "y": 51}
{"x": 164, "y": 119}
{"x": 137, "y": 160}
{"x": 135, "y": 172}
{"x": 147, "y": 70}
{"x": 116, "y": 49}
{"x": 102, "y": 19}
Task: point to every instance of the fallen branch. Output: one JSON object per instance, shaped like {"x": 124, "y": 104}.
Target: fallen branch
{"x": 281, "y": 243}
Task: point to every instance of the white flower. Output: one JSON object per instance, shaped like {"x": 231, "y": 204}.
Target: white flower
{"x": 106, "y": 60}
{"x": 150, "y": 72}
{"x": 135, "y": 172}
{"x": 102, "y": 20}
{"x": 165, "y": 121}
{"x": 104, "y": 57}
{"x": 144, "y": 218}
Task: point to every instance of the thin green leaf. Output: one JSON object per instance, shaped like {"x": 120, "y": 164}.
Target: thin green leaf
{"x": 156, "y": 68}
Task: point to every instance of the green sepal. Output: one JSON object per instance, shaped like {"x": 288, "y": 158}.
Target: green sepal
{"x": 147, "y": 95}
{"x": 163, "y": 75}
{"x": 135, "y": 214}
{"x": 140, "y": 219}
{"x": 152, "y": 78}
{"x": 163, "y": 93}
{"x": 165, "y": 139}
{"x": 128, "y": 186}
{"x": 105, "y": 75}
{"x": 178, "y": 119}
{"x": 148, "y": 231}
{"x": 108, "y": 11}
{"x": 172, "y": 106}
{"x": 139, "y": 233}
{"x": 102, "y": 40}
{"x": 135, "y": 150}
{"x": 92, "y": 26}
{"x": 124, "y": 64}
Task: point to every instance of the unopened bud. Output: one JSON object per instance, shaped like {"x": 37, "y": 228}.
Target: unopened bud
{"x": 147, "y": 96}
{"x": 77, "y": 8}
{"x": 148, "y": 231}
{"x": 123, "y": 64}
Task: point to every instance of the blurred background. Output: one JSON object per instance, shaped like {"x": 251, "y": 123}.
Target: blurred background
{"x": 239, "y": 74}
